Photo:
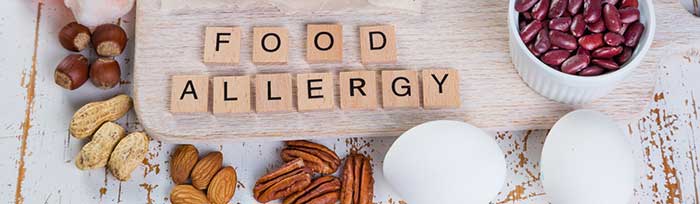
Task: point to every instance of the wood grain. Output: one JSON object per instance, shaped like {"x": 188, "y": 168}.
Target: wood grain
{"x": 470, "y": 36}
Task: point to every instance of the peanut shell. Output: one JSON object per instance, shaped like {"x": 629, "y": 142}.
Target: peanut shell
{"x": 95, "y": 153}
{"x": 128, "y": 154}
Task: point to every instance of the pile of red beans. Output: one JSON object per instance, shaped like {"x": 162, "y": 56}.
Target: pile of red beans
{"x": 580, "y": 37}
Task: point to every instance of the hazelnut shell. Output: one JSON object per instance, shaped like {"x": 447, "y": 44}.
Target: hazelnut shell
{"x": 74, "y": 37}
{"x": 105, "y": 73}
{"x": 109, "y": 40}
{"x": 72, "y": 72}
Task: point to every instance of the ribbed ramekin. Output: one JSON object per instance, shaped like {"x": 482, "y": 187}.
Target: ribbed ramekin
{"x": 571, "y": 89}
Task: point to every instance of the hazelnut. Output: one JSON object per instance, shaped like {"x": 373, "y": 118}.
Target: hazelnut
{"x": 109, "y": 40}
{"x": 72, "y": 72}
{"x": 74, "y": 37}
{"x": 105, "y": 73}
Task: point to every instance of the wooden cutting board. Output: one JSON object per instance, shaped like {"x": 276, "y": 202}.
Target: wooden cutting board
{"x": 470, "y": 36}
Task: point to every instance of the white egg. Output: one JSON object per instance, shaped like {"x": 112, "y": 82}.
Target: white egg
{"x": 445, "y": 162}
{"x": 587, "y": 159}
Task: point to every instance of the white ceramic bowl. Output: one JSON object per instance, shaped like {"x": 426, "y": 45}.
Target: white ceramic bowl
{"x": 567, "y": 88}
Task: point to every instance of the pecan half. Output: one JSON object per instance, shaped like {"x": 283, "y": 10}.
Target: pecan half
{"x": 324, "y": 190}
{"x": 317, "y": 157}
{"x": 292, "y": 177}
{"x": 358, "y": 183}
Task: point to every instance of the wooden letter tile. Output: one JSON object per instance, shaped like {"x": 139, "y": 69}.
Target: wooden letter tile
{"x": 441, "y": 88}
{"x": 231, "y": 94}
{"x": 222, "y": 45}
{"x": 315, "y": 91}
{"x": 400, "y": 89}
{"x": 358, "y": 90}
{"x": 324, "y": 43}
{"x": 189, "y": 94}
{"x": 273, "y": 93}
{"x": 378, "y": 44}
{"x": 270, "y": 45}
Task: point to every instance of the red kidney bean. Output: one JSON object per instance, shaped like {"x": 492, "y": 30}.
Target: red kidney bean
{"x": 625, "y": 56}
{"x": 581, "y": 51}
{"x": 555, "y": 57}
{"x": 557, "y": 8}
{"x": 542, "y": 43}
{"x": 591, "y": 71}
{"x": 562, "y": 40}
{"x": 539, "y": 11}
{"x": 592, "y": 10}
{"x": 575, "y": 64}
{"x": 531, "y": 47}
{"x": 561, "y": 24}
{"x": 578, "y": 27}
{"x": 623, "y": 28}
{"x": 524, "y": 5}
{"x": 606, "y": 52}
{"x": 527, "y": 16}
{"x": 574, "y": 6}
{"x": 611, "y": 17}
{"x": 633, "y": 33}
{"x": 597, "y": 27}
{"x": 528, "y": 32}
{"x": 613, "y": 39}
{"x": 629, "y": 3}
{"x": 605, "y": 63}
{"x": 522, "y": 24}
{"x": 611, "y": 2}
{"x": 629, "y": 14}
{"x": 591, "y": 42}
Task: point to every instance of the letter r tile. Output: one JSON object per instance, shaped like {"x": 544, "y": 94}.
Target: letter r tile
{"x": 358, "y": 90}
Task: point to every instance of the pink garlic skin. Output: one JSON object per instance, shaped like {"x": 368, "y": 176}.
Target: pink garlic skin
{"x": 92, "y": 13}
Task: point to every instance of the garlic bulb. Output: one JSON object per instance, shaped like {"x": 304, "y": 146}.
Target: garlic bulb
{"x": 96, "y": 12}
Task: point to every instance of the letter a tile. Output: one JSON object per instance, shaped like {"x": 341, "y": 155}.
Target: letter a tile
{"x": 189, "y": 94}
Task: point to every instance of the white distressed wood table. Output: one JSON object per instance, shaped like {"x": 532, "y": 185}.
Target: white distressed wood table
{"x": 37, "y": 152}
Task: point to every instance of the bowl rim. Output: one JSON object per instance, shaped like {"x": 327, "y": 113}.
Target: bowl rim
{"x": 641, "y": 49}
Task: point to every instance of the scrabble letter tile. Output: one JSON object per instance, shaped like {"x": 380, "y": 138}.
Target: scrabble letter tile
{"x": 324, "y": 43}
{"x": 231, "y": 94}
{"x": 400, "y": 89}
{"x": 189, "y": 94}
{"x": 315, "y": 91}
{"x": 378, "y": 44}
{"x": 273, "y": 93}
{"x": 270, "y": 45}
{"x": 441, "y": 88}
{"x": 358, "y": 90}
{"x": 222, "y": 45}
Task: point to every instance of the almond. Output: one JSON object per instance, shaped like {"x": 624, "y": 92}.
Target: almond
{"x": 182, "y": 162}
{"x": 187, "y": 194}
{"x": 222, "y": 186}
{"x": 205, "y": 169}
